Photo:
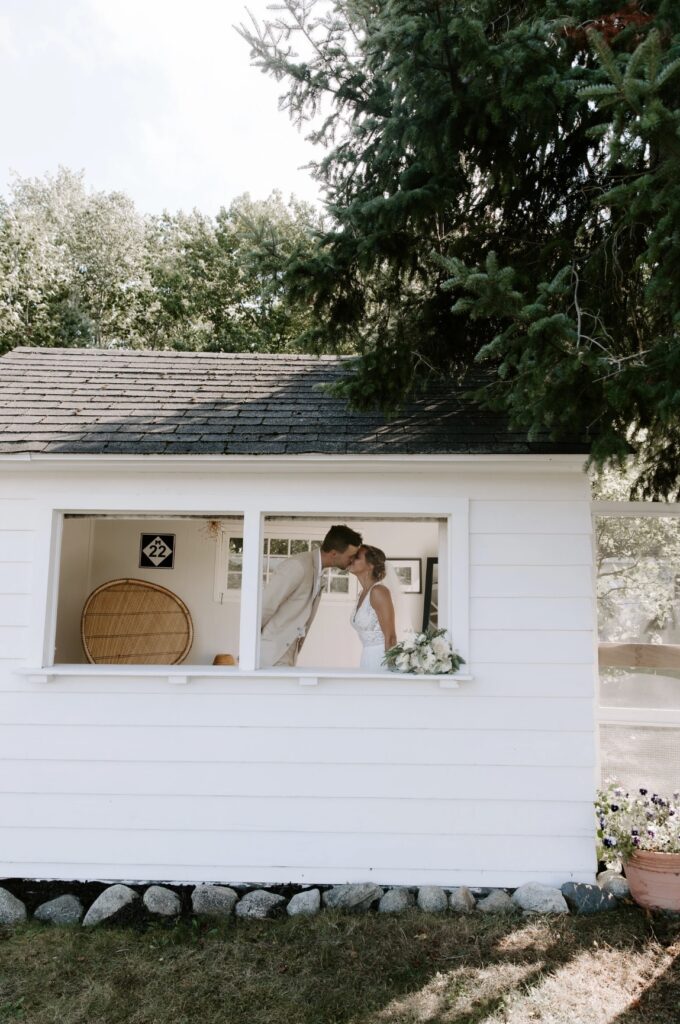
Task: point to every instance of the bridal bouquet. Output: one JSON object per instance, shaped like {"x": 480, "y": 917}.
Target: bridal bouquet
{"x": 428, "y": 653}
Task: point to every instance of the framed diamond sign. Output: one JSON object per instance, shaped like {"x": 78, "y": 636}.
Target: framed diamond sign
{"x": 157, "y": 551}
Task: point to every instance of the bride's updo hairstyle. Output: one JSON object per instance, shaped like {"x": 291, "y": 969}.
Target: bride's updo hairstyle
{"x": 376, "y": 559}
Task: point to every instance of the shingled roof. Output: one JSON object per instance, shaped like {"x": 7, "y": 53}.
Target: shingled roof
{"x": 91, "y": 402}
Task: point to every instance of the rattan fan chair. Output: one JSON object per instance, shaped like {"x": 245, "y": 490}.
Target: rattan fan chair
{"x": 132, "y": 622}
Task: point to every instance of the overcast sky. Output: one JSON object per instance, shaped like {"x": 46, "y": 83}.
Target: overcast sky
{"x": 156, "y": 98}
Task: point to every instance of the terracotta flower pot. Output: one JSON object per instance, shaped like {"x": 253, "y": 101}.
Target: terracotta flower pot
{"x": 654, "y": 879}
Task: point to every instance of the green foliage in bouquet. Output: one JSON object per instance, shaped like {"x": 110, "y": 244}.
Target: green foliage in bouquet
{"x": 428, "y": 653}
{"x": 636, "y": 821}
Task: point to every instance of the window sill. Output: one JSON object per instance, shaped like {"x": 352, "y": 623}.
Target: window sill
{"x": 180, "y": 675}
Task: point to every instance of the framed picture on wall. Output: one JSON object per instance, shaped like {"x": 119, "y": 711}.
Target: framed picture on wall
{"x": 157, "y": 551}
{"x": 431, "y": 596}
{"x": 408, "y": 573}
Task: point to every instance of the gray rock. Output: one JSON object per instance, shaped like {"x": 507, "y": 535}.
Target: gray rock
{"x": 360, "y": 896}
{"x": 306, "y": 903}
{"x": 163, "y": 902}
{"x": 461, "y": 900}
{"x": 396, "y": 901}
{"x": 615, "y": 884}
{"x": 114, "y": 902}
{"x": 432, "y": 899}
{"x": 12, "y": 910}
{"x": 587, "y": 899}
{"x": 536, "y": 898}
{"x": 260, "y": 903}
{"x": 497, "y": 902}
{"x": 63, "y": 910}
{"x": 213, "y": 900}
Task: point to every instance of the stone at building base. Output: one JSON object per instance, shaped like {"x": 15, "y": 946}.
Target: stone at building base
{"x": 358, "y": 897}
{"x": 396, "y": 901}
{"x": 536, "y": 898}
{"x": 432, "y": 899}
{"x": 161, "y": 901}
{"x": 497, "y": 902}
{"x": 63, "y": 910}
{"x": 583, "y": 898}
{"x": 615, "y": 884}
{"x": 112, "y": 905}
{"x": 213, "y": 900}
{"x": 306, "y": 903}
{"x": 12, "y": 910}
{"x": 461, "y": 900}
{"x": 260, "y": 904}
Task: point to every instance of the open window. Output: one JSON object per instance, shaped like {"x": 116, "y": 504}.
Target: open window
{"x": 176, "y": 554}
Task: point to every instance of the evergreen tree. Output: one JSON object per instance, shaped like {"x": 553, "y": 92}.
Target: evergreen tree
{"x": 505, "y": 184}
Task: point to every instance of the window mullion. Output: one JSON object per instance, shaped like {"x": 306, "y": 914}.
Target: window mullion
{"x": 249, "y": 637}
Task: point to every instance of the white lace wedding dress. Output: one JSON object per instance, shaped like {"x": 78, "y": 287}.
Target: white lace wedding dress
{"x": 365, "y": 622}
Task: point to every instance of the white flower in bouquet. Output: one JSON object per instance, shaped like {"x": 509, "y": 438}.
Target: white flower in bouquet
{"x": 428, "y": 653}
{"x": 441, "y": 647}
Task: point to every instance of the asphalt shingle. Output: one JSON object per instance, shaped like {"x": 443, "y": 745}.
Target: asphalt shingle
{"x": 91, "y": 401}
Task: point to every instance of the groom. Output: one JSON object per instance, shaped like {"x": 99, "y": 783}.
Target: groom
{"x": 291, "y": 598}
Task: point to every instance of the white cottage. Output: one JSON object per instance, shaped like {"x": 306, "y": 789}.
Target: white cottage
{"x": 195, "y": 473}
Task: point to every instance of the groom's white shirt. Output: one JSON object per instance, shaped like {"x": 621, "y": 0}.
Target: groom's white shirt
{"x": 289, "y": 603}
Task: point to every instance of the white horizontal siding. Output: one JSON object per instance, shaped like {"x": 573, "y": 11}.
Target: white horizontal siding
{"x": 363, "y": 814}
{"x": 550, "y": 647}
{"x": 15, "y": 577}
{"x": 248, "y": 746}
{"x": 557, "y": 613}
{"x": 531, "y": 581}
{"x": 530, "y": 549}
{"x": 356, "y": 851}
{"x": 13, "y": 642}
{"x": 177, "y": 777}
{"x": 16, "y": 545}
{"x": 15, "y": 609}
{"x": 530, "y": 517}
{"x": 303, "y": 712}
{"x": 261, "y": 779}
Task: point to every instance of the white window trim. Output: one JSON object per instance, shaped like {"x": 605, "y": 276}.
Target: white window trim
{"x": 454, "y": 595}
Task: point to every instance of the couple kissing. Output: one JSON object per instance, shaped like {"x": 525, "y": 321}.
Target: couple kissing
{"x": 291, "y": 598}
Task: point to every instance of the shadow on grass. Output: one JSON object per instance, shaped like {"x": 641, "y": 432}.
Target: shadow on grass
{"x": 331, "y": 970}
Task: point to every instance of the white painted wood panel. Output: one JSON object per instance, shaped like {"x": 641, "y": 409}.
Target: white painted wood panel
{"x": 549, "y": 647}
{"x": 15, "y": 609}
{"x": 531, "y": 581}
{"x": 530, "y": 549}
{"x": 551, "y": 517}
{"x": 13, "y": 641}
{"x": 16, "y": 545}
{"x": 18, "y": 513}
{"x": 261, "y": 850}
{"x": 15, "y": 577}
{"x": 303, "y": 712}
{"x": 218, "y": 813}
{"x": 246, "y": 746}
{"x": 177, "y": 777}
{"x": 557, "y": 613}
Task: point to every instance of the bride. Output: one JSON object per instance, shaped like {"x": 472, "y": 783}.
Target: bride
{"x": 374, "y": 617}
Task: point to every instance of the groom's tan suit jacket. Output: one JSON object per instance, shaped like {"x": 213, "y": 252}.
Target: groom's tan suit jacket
{"x": 289, "y": 604}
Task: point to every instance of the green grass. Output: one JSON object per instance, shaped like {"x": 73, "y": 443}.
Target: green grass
{"x": 618, "y": 968}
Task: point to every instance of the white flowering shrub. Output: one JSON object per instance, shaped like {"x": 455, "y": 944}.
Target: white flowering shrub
{"x": 428, "y": 653}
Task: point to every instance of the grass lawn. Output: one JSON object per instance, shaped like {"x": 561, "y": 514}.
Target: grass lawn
{"x": 620, "y": 967}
